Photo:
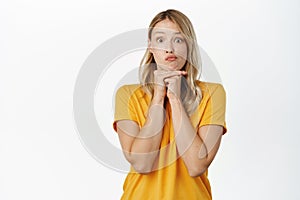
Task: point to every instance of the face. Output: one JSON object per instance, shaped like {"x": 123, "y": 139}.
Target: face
{"x": 168, "y": 46}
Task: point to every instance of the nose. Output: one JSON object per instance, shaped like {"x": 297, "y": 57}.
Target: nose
{"x": 169, "y": 47}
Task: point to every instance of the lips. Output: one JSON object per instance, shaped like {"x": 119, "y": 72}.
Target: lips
{"x": 171, "y": 58}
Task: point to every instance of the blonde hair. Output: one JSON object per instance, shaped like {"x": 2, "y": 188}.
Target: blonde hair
{"x": 190, "y": 92}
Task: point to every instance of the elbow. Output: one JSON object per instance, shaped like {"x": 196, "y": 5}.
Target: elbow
{"x": 197, "y": 171}
{"x": 142, "y": 165}
{"x": 142, "y": 168}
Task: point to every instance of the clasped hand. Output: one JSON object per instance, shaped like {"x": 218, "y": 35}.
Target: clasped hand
{"x": 168, "y": 83}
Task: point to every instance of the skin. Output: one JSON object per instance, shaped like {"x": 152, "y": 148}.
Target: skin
{"x": 166, "y": 40}
{"x": 197, "y": 148}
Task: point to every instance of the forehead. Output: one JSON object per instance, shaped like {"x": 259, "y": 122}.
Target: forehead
{"x": 166, "y": 27}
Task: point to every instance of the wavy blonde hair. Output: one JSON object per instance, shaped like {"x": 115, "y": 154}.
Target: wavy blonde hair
{"x": 190, "y": 92}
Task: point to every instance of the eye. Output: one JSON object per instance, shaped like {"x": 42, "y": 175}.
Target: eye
{"x": 159, "y": 40}
{"x": 178, "y": 40}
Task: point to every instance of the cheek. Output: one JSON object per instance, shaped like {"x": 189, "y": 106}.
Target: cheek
{"x": 158, "y": 55}
{"x": 182, "y": 52}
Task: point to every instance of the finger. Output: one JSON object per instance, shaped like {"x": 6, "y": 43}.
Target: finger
{"x": 184, "y": 72}
{"x": 168, "y": 74}
{"x": 172, "y": 79}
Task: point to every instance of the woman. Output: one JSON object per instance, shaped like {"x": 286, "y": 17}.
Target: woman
{"x": 170, "y": 125}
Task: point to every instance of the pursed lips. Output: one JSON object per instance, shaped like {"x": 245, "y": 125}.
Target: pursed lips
{"x": 171, "y": 58}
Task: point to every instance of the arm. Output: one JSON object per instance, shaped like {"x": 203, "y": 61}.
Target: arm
{"x": 196, "y": 148}
{"x": 141, "y": 146}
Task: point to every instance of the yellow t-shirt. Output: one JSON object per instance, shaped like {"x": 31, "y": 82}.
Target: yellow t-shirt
{"x": 171, "y": 181}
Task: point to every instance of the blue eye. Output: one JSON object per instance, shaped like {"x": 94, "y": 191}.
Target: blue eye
{"x": 178, "y": 40}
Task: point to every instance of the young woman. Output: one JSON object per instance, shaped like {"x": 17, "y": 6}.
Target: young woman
{"x": 170, "y": 125}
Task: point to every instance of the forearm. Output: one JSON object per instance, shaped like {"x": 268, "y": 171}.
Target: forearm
{"x": 145, "y": 147}
{"x": 190, "y": 146}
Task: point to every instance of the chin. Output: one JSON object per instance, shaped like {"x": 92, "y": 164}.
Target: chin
{"x": 174, "y": 67}
{"x": 171, "y": 67}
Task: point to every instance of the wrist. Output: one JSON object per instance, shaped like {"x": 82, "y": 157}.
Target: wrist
{"x": 175, "y": 101}
{"x": 158, "y": 99}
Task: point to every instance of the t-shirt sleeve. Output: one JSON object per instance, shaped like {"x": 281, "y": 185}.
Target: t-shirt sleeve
{"x": 123, "y": 106}
{"x": 214, "y": 112}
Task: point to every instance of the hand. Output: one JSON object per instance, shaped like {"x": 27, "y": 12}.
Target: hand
{"x": 174, "y": 86}
{"x": 163, "y": 79}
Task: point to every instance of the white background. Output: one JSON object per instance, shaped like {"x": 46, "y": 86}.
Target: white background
{"x": 254, "y": 44}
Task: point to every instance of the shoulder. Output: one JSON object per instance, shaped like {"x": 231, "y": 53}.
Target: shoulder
{"x": 209, "y": 88}
{"x": 130, "y": 87}
{"x": 129, "y": 90}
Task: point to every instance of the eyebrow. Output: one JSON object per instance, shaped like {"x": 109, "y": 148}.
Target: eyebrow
{"x": 161, "y": 32}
